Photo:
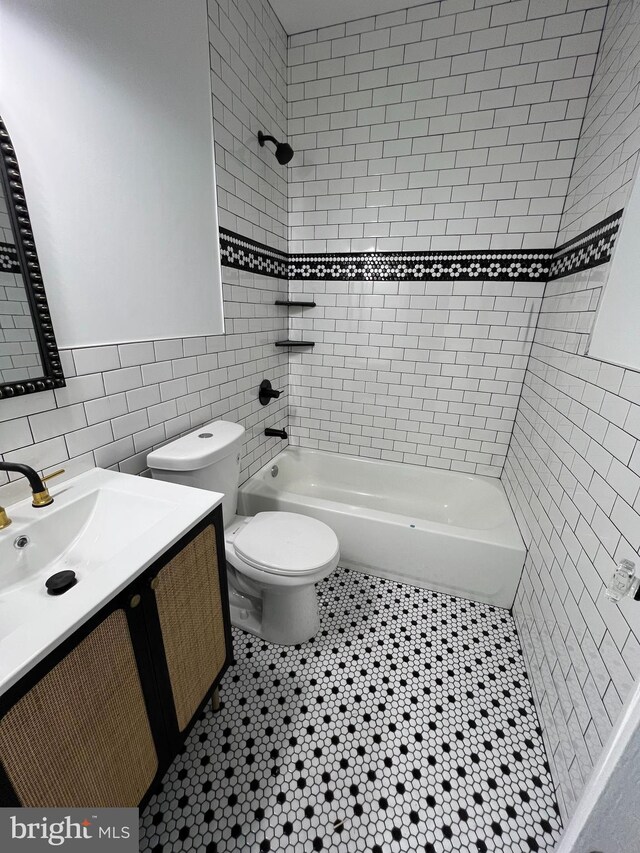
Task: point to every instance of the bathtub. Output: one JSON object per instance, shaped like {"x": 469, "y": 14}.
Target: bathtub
{"x": 441, "y": 530}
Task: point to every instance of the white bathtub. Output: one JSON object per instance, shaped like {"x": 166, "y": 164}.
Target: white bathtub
{"x": 449, "y": 532}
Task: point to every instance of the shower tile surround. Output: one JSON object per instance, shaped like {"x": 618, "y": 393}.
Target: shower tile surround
{"x": 423, "y": 370}
{"x": 343, "y": 744}
{"x": 451, "y": 126}
{"x": 382, "y": 382}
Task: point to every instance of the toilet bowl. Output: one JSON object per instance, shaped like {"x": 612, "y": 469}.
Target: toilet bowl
{"x": 274, "y": 559}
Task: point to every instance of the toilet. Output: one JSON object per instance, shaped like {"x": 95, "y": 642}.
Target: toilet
{"x": 274, "y": 559}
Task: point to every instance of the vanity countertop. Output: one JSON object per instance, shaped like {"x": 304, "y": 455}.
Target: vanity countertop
{"x": 105, "y": 526}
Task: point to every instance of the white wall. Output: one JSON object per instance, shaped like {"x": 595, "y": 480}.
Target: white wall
{"x": 122, "y": 401}
{"x": 109, "y": 108}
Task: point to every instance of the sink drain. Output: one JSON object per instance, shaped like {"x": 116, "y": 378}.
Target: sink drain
{"x": 61, "y": 582}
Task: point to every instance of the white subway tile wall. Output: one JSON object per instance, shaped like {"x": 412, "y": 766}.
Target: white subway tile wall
{"x": 608, "y": 152}
{"x": 447, "y": 126}
{"x": 427, "y": 373}
{"x": 249, "y": 73}
{"x": 573, "y": 468}
{"x": 122, "y": 401}
{"x": 451, "y": 125}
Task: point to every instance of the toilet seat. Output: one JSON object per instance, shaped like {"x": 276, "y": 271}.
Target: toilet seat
{"x": 286, "y": 543}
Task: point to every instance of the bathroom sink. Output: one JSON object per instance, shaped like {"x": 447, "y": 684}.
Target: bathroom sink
{"x": 104, "y": 526}
{"x": 82, "y": 535}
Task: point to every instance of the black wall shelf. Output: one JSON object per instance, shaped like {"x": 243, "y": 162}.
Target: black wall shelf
{"x": 302, "y": 303}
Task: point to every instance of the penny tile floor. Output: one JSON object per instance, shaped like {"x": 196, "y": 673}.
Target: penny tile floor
{"x": 406, "y": 724}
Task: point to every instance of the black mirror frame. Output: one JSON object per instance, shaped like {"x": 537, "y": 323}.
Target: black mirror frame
{"x": 53, "y": 376}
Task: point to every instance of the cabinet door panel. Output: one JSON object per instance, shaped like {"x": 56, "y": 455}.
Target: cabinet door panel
{"x": 190, "y": 610}
{"x": 81, "y": 737}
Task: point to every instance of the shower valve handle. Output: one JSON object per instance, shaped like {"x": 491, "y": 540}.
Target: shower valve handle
{"x": 267, "y": 393}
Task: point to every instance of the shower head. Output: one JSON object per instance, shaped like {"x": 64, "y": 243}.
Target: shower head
{"x": 284, "y": 152}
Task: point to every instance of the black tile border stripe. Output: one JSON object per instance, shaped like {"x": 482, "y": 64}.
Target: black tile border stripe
{"x": 589, "y": 249}
{"x": 9, "y": 258}
{"x": 422, "y": 266}
{"x": 608, "y": 222}
{"x": 242, "y": 253}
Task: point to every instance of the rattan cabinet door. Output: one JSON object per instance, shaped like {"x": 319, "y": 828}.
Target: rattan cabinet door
{"x": 188, "y": 599}
{"x": 80, "y": 737}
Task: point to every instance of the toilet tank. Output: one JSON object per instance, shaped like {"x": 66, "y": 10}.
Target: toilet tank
{"x": 207, "y": 458}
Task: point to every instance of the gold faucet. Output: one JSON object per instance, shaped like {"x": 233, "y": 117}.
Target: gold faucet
{"x": 43, "y": 498}
{"x": 40, "y": 492}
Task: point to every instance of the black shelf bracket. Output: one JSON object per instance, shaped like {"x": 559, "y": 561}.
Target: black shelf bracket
{"x": 302, "y": 303}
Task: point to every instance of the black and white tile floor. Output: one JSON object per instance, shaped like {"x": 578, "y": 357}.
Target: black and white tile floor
{"x": 407, "y": 724}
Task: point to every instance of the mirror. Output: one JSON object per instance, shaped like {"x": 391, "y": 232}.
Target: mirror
{"x": 29, "y": 358}
{"x": 124, "y": 205}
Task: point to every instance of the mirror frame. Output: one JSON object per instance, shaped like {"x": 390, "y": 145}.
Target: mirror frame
{"x": 52, "y": 376}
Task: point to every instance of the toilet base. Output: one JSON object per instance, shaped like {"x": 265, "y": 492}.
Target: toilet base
{"x": 245, "y": 619}
{"x": 290, "y": 614}
{"x": 285, "y": 615}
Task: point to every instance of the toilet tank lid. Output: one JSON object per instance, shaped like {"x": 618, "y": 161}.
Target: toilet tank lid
{"x": 198, "y": 449}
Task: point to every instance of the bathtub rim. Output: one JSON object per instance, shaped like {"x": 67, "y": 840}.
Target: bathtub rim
{"x": 505, "y": 535}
